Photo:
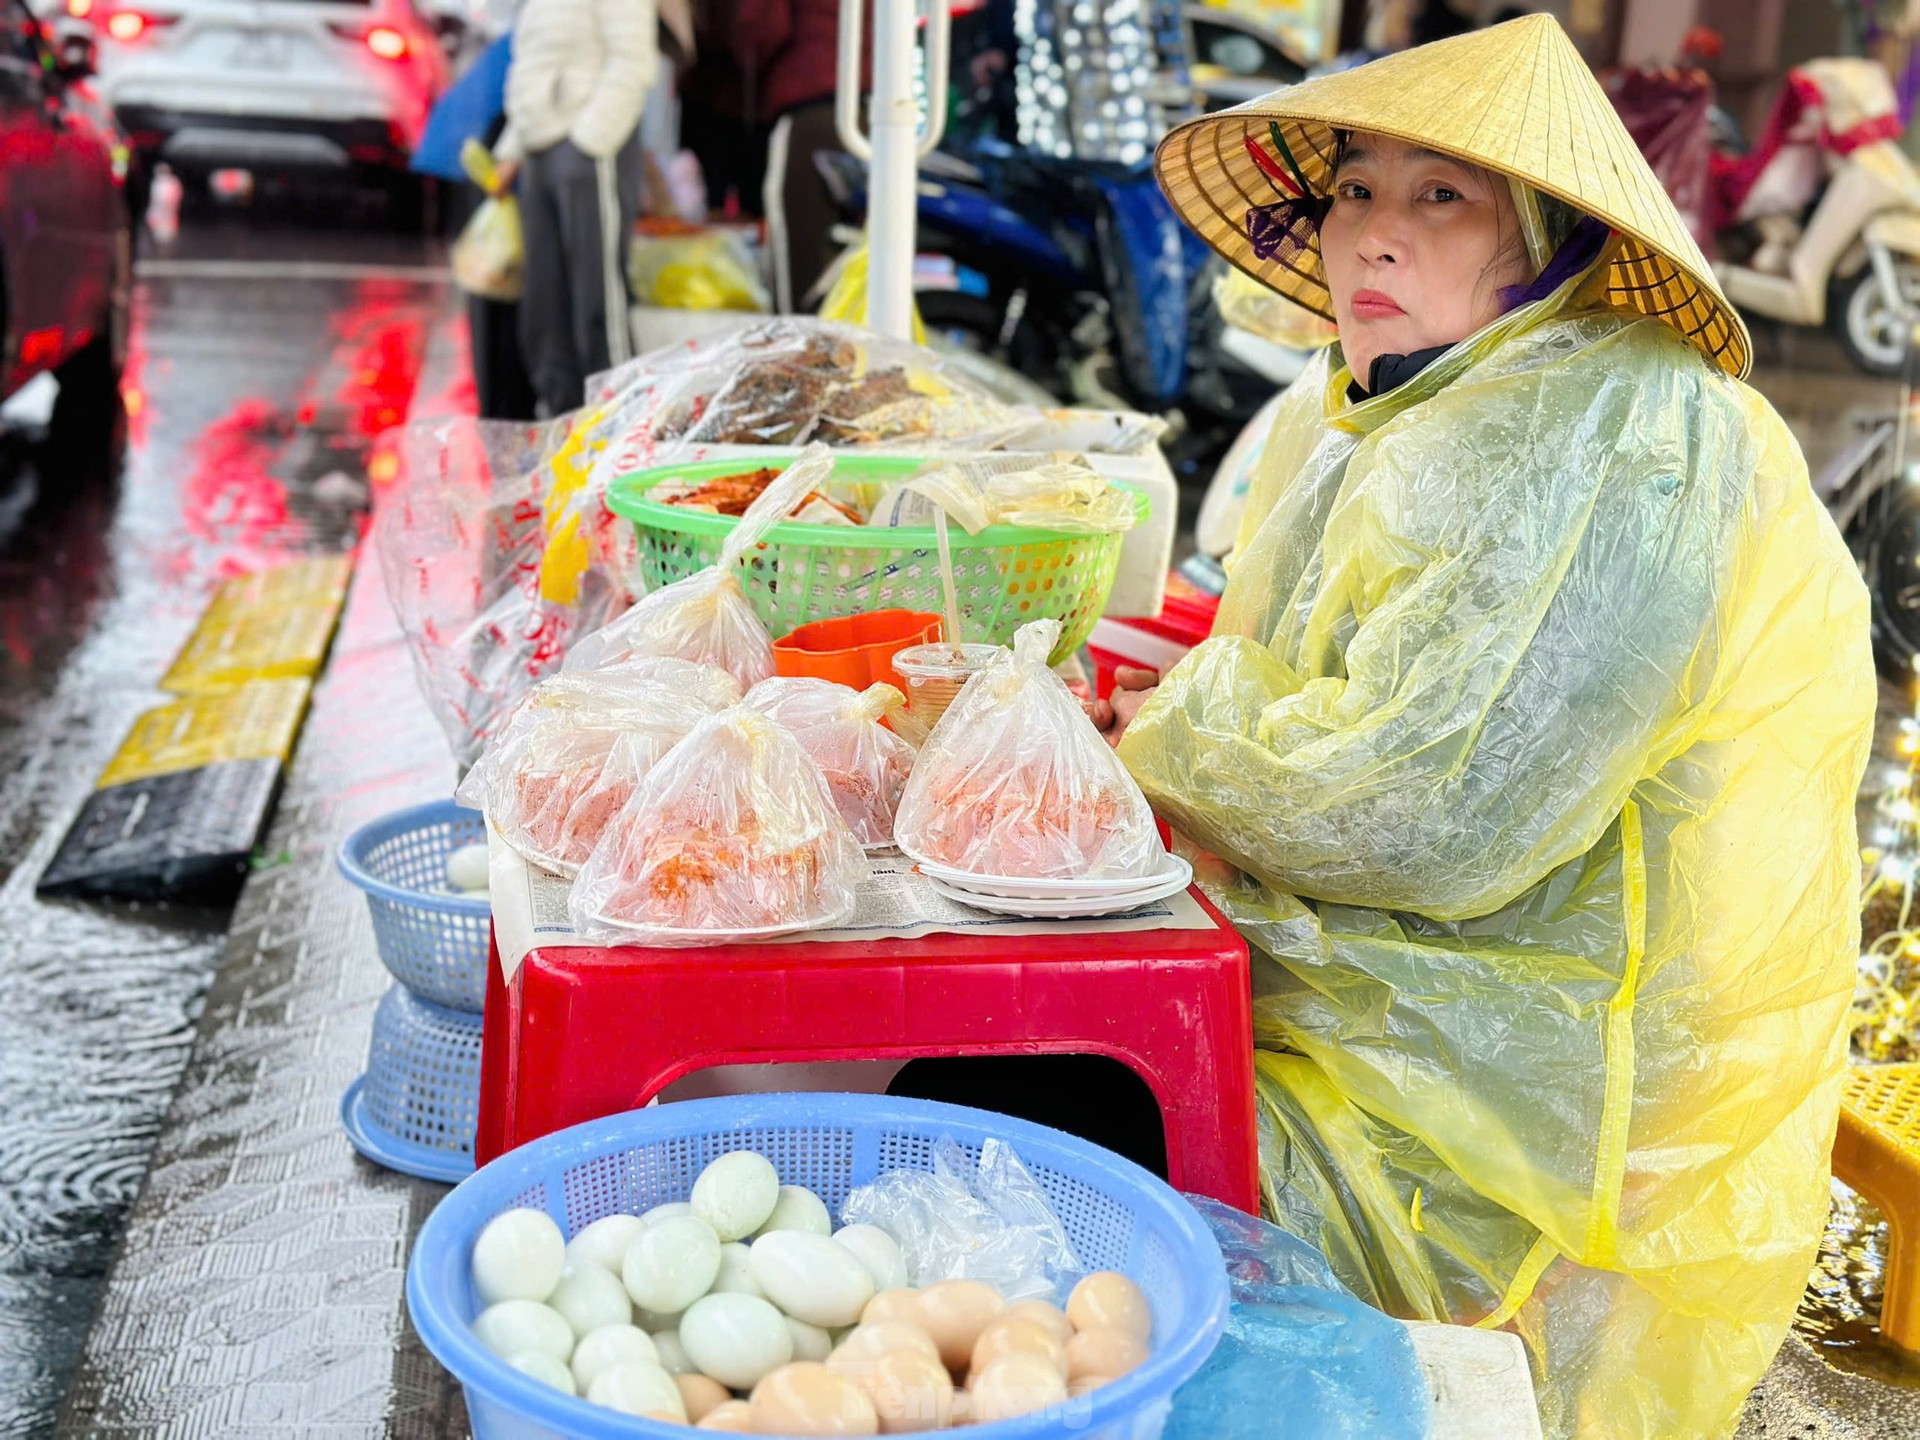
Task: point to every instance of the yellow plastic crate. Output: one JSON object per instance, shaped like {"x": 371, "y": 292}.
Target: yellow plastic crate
{"x": 1877, "y": 1152}
{"x": 259, "y": 720}
{"x": 272, "y": 624}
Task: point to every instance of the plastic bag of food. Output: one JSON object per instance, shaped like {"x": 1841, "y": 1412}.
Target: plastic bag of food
{"x": 544, "y": 784}
{"x": 1015, "y": 781}
{"x": 497, "y": 552}
{"x": 1056, "y": 492}
{"x": 734, "y": 837}
{"x": 962, "y": 1221}
{"x": 489, "y": 256}
{"x": 865, "y": 763}
{"x": 706, "y": 271}
{"x": 706, "y": 617}
{"x": 791, "y": 380}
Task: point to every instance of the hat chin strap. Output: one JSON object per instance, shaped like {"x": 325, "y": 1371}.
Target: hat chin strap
{"x": 1533, "y": 225}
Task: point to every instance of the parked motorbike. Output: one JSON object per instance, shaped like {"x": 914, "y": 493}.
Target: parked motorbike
{"x": 1237, "y": 57}
{"x": 1820, "y": 222}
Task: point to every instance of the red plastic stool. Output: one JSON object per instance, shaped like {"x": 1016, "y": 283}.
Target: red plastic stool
{"x": 581, "y": 1033}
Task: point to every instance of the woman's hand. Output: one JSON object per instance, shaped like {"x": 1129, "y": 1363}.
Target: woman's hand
{"x": 1131, "y": 689}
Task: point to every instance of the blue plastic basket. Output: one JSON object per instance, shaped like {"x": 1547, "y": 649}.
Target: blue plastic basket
{"x": 416, "y": 1107}
{"x": 434, "y": 943}
{"x": 1117, "y": 1215}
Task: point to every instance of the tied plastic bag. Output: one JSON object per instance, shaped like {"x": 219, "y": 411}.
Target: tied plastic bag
{"x": 734, "y": 836}
{"x": 1015, "y": 781}
{"x": 545, "y": 783}
{"x": 865, "y": 763}
{"x": 706, "y": 617}
{"x": 489, "y": 257}
{"x": 1061, "y": 492}
{"x": 706, "y": 271}
{"x": 497, "y": 552}
{"x": 1297, "y": 1344}
{"x": 989, "y": 1221}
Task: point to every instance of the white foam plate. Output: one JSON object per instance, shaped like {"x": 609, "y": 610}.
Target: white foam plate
{"x": 1018, "y": 888}
{"x": 1059, "y": 907}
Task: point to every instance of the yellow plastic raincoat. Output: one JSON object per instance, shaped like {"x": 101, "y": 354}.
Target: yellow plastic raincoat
{"x": 1529, "y": 734}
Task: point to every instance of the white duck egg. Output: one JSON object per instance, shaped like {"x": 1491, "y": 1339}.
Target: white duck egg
{"x": 518, "y": 1257}
{"x": 736, "y": 1273}
{"x": 544, "y": 1368}
{"x": 876, "y": 1250}
{"x": 638, "y": 1388}
{"x": 810, "y": 1342}
{"x": 467, "y": 867}
{"x": 736, "y": 1193}
{"x": 672, "y": 1354}
{"x": 736, "y": 1339}
{"x": 811, "y": 1278}
{"x": 606, "y": 1241}
{"x": 665, "y": 1212}
{"x": 798, "y": 1208}
{"x": 671, "y": 1264}
{"x": 589, "y": 1298}
{"x": 513, "y": 1327}
{"x": 609, "y": 1346}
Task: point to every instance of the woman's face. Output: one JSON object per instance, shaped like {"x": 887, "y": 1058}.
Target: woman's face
{"x": 1417, "y": 248}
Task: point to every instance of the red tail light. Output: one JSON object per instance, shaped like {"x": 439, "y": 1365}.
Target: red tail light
{"x": 79, "y": 9}
{"x": 125, "y": 25}
{"x": 387, "y": 43}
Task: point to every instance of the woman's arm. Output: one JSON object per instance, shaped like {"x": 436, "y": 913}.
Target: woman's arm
{"x": 630, "y": 65}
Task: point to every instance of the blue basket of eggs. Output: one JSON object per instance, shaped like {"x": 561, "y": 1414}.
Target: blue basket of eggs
{"x": 607, "y": 1260}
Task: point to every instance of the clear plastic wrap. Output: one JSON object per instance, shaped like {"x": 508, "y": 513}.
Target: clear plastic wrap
{"x": 705, "y": 617}
{"x": 865, "y": 763}
{"x": 1054, "y": 492}
{"x": 1015, "y": 781}
{"x": 497, "y": 551}
{"x": 735, "y": 836}
{"x": 792, "y": 380}
{"x": 576, "y": 749}
{"x": 962, "y": 1221}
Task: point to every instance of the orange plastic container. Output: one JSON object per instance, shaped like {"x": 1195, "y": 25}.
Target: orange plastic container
{"x": 855, "y": 650}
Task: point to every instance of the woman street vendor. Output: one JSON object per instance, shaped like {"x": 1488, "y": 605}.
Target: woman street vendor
{"x": 1528, "y": 738}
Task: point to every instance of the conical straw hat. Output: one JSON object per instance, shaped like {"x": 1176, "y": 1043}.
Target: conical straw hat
{"x": 1516, "y": 98}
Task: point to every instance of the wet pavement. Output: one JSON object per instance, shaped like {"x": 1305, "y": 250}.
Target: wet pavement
{"x": 194, "y": 1059}
{"x": 252, "y": 405}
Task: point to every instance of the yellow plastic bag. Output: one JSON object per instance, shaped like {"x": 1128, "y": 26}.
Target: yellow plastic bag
{"x": 1532, "y": 722}
{"x": 490, "y": 255}
{"x": 847, "y": 297}
{"x": 696, "y": 272}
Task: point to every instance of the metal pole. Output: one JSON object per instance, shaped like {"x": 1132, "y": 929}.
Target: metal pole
{"x": 894, "y": 148}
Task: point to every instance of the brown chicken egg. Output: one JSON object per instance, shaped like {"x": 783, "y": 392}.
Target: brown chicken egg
{"x": 734, "y": 1418}
{"x": 1111, "y": 1353}
{"x": 911, "y": 1392}
{"x": 1015, "y": 1385}
{"x": 892, "y": 1305}
{"x": 1010, "y": 1335}
{"x": 880, "y": 1337}
{"x": 808, "y": 1399}
{"x": 1109, "y": 1301}
{"x": 1041, "y": 1313}
{"x": 703, "y": 1395}
{"x": 954, "y": 1312}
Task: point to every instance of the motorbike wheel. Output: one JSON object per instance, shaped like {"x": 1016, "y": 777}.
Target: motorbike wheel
{"x": 974, "y": 323}
{"x": 1872, "y": 332}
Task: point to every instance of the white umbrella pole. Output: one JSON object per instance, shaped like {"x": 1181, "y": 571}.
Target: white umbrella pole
{"x": 897, "y": 142}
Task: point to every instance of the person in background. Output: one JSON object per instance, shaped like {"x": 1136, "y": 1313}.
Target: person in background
{"x": 576, "y": 90}
{"x": 788, "y": 51}
{"x": 719, "y": 121}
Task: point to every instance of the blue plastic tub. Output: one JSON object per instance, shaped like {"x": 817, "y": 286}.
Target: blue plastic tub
{"x": 1118, "y": 1216}
{"x": 435, "y": 943}
{"x": 416, "y": 1108}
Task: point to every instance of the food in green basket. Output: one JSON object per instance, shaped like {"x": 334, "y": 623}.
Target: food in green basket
{"x": 732, "y": 494}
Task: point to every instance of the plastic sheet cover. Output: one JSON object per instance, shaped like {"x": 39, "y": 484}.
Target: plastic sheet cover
{"x": 1297, "y": 1344}
{"x": 1015, "y": 781}
{"x": 1532, "y": 722}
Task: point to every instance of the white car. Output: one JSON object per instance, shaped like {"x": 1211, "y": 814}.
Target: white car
{"x": 269, "y": 85}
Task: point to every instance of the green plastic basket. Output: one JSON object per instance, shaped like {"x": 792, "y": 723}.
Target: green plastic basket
{"x": 1006, "y": 575}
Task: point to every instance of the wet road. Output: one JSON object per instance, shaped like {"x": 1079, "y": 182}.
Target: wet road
{"x": 269, "y": 351}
